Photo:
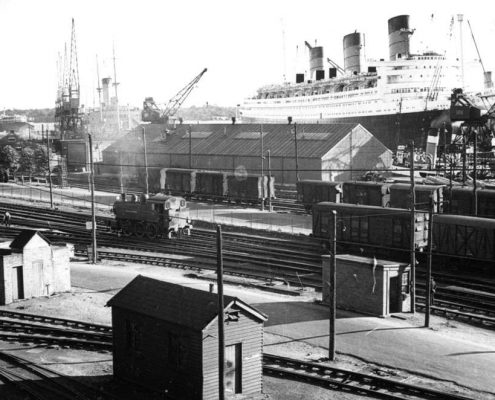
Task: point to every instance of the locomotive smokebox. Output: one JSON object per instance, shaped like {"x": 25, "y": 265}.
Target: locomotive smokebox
{"x": 398, "y": 37}
{"x": 354, "y": 54}
{"x": 315, "y": 61}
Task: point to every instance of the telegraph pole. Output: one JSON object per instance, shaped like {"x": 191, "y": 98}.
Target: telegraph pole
{"x": 475, "y": 167}
{"x": 189, "y": 130}
{"x": 270, "y": 206}
{"x": 221, "y": 337}
{"x": 93, "y": 216}
{"x": 413, "y": 232}
{"x": 297, "y": 161}
{"x": 262, "y": 172}
{"x": 121, "y": 173}
{"x": 333, "y": 291}
{"x": 145, "y": 160}
{"x": 428, "y": 265}
{"x": 49, "y": 168}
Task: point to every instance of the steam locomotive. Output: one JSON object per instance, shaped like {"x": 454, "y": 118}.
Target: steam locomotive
{"x": 152, "y": 217}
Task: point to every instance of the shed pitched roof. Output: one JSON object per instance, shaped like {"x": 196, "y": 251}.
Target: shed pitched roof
{"x": 313, "y": 140}
{"x": 178, "y": 304}
{"x": 24, "y": 237}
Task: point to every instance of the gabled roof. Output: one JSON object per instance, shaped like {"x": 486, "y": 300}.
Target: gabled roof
{"x": 177, "y": 304}
{"x": 24, "y": 237}
{"x": 313, "y": 140}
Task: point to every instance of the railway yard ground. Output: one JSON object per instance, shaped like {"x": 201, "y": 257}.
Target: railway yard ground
{"x": 450, "y": 356}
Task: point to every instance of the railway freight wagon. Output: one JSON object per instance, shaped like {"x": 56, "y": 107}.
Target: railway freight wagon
{"x": 178, "y": 181}
{"x": 310, "y": 192}
{"x": 461, "y": 237}
{"x": 156, "y": 216}
{"x": 400, "y": 196}
{"x": 461, "y": 201}
{"x": 366, "y": 193}
{"x": 210, "y": 185}
{"x": 381, "y": 230}
{"x": 246, "y": 189}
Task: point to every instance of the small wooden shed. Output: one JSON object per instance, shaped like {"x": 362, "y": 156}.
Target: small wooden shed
{"x": 165, "y": 337}
{"x": 30, "y": 266}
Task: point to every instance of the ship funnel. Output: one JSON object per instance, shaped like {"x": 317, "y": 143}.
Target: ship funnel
{"x": 488, "y": 79}
{"x": 315, "y": 62}
{"x": 105, "y": 82}
{"x": 398, "y": 37}
{"x": 354, "y": 54}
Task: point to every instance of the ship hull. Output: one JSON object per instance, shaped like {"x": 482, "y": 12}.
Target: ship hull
{"x": 391, "y": 129}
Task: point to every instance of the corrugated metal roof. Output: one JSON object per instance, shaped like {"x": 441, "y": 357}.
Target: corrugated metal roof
{"x": 313, "y": 140}
{"x": 178, "y": 304}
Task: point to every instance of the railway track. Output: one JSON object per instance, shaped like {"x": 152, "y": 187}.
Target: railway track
{"x": 18, "y": 369}
{"x": 296, "y": 262}
{"x": 42, "y": 383}
{"x": 349, "y": 381}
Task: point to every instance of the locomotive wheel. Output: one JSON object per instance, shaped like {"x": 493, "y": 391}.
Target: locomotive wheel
{"x": 140, "y": 229}
{"x": 151, "y": 231}
{"x": 126, "y": 228}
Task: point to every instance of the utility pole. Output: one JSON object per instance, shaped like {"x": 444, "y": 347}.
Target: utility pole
{"x": 262, "y": 172}
{"x": 413, "y": 232}
{"x": 270, "y": 206}
{"x": 93, "y": 216}
{"x": 295, "y": 142}
{"x": 121, "y": 172}
{"x": 333, "y": 291}
{"x": 189, "y": 130}
{"x": 99, "y": 90}
{"x": 145, "y": 160}
{"x": 49, "y": 167}
{"x": 464, "y": 155}
{"x": 475, "y": 168}
{"x": 428, "y": 265}
{"x": 221, "y": 337}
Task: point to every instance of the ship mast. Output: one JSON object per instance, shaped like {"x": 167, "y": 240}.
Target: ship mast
{"x": 460, "y": 18}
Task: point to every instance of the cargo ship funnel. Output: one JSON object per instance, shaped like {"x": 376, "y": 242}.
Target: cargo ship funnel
{"x": 354, "y": 54}
{"x": 488, "y": 79}
{"x": 106, "y": 94}
{"x": 398, "y": 37}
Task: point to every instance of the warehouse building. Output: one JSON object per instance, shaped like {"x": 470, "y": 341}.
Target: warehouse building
{"x": 333, "y": 152}
{"x": 165, "y": 337}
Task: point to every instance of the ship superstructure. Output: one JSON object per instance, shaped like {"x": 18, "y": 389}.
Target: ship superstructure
{"x": 397, "y": 99}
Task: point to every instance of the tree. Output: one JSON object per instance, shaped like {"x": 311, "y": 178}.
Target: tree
{"x": 40, "y": 158}
{"x": 9, "y": 158}
{"x": 27, "y": 161}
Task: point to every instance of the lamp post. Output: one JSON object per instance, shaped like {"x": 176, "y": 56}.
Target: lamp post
{"x": 413, "y": 232}
{"x": 145, "y": 160}
{"x": 297, "y": 161}
{"x": 93, "y": 216}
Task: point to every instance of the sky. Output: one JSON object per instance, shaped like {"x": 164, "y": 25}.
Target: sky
{"x": 161, "y": 45}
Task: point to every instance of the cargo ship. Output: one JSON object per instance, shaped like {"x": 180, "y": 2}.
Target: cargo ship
{"x": 400, "y": 99}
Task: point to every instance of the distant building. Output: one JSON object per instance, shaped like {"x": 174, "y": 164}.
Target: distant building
{"x": 165, "y": 337}
{"x": 30, "y": 266}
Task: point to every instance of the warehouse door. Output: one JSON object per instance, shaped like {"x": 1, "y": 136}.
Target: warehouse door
{"x": 233, "y": 368}
{"x": 17, "y": 283}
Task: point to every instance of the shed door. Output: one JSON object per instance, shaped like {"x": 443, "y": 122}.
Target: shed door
{"x": 17, "y": 283}
{"x": 233, "y": 368}
{"x": 38, "y": 278}
{"x": 394, "y": 292}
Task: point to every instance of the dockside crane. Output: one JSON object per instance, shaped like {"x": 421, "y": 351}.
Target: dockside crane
{"x": 476, "y": 131}
{"x": 154, "y": 114}
{"x": 68, "y": 96}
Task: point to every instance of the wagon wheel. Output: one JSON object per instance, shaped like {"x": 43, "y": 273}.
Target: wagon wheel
{"x": 151, "y": 231}
{"x": 126, "y": 227}
{"x": 140, "y": 229}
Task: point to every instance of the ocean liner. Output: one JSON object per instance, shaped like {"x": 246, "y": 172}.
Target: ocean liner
{"x": 397, "y": 100}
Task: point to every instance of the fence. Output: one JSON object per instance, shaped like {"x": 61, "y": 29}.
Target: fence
{"x": 250, "y": 218}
